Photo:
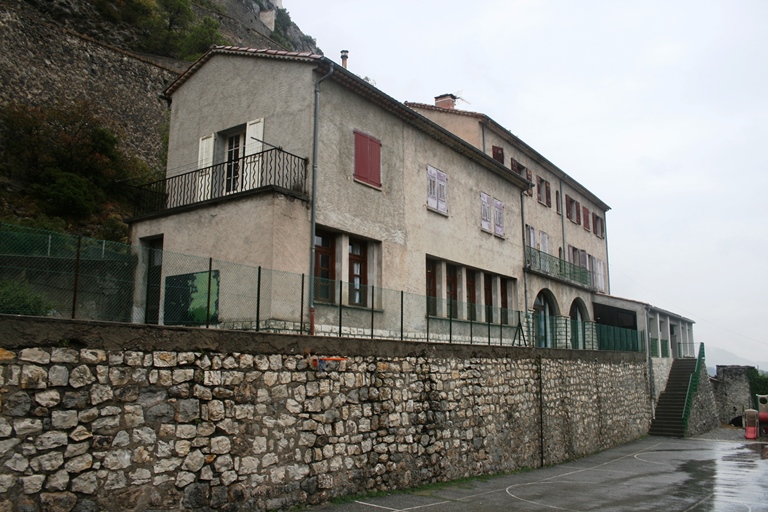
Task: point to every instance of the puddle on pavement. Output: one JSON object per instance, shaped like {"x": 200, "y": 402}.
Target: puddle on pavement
{"x": 734, "y": 477}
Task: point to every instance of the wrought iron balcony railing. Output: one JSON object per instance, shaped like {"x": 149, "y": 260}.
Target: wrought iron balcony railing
{"x": 273, "y": 167}
{"x": 556, "y": 267}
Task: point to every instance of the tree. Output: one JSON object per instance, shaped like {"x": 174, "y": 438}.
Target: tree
{"x": 200, "y": 38}
{"x": 65, "y": 159}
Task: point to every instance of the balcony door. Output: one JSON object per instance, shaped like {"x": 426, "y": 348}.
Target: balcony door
{"x": 235, "y": 150}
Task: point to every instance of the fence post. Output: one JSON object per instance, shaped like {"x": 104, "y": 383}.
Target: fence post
{"x": 401, "y": 314}
{"x": 208, "y": 305}
{"x": 373, "y": 294}
{"x": 472, "y": 310}
{"x": 77, "y": 277}
{"x": 427, "y": 318}
{"x": 450, "y": 321}
{"x": 258, "y": 299}
{"x": 340, "y": 305}
{"x": 301, "y": 307}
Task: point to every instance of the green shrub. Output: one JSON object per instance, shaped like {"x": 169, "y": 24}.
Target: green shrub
{"x": 18, "y": 298}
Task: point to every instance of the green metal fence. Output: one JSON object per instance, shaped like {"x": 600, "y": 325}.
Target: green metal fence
{"x": 654, "y": 346}
{"x": 556, "y": 267}
{"x": 52, "y": 274}
{"x": 693, "y": 386}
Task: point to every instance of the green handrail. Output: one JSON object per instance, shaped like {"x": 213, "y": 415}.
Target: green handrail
{"x": 693, "y": 386}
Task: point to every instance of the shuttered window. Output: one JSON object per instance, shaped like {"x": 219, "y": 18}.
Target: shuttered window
{"x": 586, "y": 217}
{"x": 498, "y": 154}
{"x": 572, "y": 209}
{"x": 598, "y": 225}
{"x": 367, "y": 159}
{"x": 437, "y": 190}
{"x": 543, "y": 191}
{"x": 485, "y": 212}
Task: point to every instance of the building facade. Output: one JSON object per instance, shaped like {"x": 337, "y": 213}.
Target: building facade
{"x": 394, "y": 220}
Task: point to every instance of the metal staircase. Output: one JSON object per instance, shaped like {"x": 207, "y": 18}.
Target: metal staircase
{"x": 670, "y": 408}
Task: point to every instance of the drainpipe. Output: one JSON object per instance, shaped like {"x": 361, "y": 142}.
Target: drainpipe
{"x": 482, "y": 129}
{"x": 607, "y": 256}
{"x": 650, "y": 360}
{"x": 562, "y": 220}
{"x": 525, "y": 243}
{"x": 314, "y": 204}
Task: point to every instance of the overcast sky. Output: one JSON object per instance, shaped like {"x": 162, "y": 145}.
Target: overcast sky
{"x": 660, "y": 108}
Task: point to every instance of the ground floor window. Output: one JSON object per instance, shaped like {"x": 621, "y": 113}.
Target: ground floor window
{"x": 325, "y": 267}
{"x": 358, "y": 272}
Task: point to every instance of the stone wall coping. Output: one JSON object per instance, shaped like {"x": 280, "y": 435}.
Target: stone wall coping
{"x": 18, "y": 332}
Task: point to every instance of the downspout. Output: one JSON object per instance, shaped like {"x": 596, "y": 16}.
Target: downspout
{"x": 313, "y": 221}
{"x": 650, "y": 360}
{"x": 525, "y": 242}
{"x": 561, "y": 205}
{"x": 607, "y": 260}
{"x": 482, "y": 130}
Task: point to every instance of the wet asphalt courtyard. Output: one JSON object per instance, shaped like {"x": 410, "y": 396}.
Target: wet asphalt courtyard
{"x": 653, "y": 474}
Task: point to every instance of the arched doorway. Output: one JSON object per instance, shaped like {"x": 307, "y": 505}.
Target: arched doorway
{"x": 579, "y": 316}
{"x": 544, "y": 316}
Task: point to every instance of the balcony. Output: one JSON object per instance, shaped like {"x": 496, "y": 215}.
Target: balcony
{"x": 272, "y": 168}
{"x": 553, "y": 266}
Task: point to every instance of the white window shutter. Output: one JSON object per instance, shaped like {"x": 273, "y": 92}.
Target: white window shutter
{"x": 485, "y": 211}
{"x": 498, "y": 208}
{"x": 254, "y": 134}
{"x": 432, "y": 187}
{"x": 544, "y": 242}
{"x": 205, "y": 151}
{"x": 204, "y": 161}
{"x": 442, "y": 192}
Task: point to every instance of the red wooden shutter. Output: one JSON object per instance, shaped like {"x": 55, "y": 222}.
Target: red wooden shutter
{"x": 529, "y": 177}
{"x": 367, "y": 159}
{"x": 578, "y": 211}
{"x": 568, "y": 206}
{"x": 586, "y": 218}
{"x": 361, "y": 156}
{"x": 539, "y": 182}
{"x": 549, "y": 194}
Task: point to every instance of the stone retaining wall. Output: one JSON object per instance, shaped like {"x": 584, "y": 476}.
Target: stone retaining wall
{"x": 704, "y": 414}
{"x": 124, "y": 417}
{"x": 731, "y": 388}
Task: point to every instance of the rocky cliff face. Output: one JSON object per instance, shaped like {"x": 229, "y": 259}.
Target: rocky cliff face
{"x": 243, "y": 23}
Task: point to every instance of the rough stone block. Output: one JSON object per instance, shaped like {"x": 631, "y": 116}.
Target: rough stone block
{"x": 34, "y": 355}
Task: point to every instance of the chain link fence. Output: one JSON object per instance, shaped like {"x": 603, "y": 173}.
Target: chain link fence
{"x": 52, "y": 274}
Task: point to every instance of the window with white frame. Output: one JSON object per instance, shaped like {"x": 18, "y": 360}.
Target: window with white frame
{"x": 485, "y": 212}
{"x": 530, "y": 236}
{"x": 237, "y": 149}
{"x": 498, "y": 218}
{"x": 437, "y": 190}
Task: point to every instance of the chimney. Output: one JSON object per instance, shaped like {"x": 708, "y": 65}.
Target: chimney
{"x": 344, "y": 57}
{"x": 446, "y": 101}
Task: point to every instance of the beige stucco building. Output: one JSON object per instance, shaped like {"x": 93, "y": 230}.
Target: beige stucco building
{"x": 299, "y": 197}
{"x": 564, "y": 235}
